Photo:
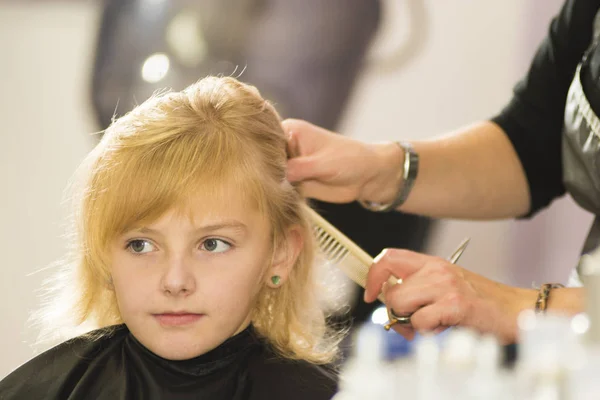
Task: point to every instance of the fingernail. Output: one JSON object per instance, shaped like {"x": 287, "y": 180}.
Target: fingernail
{"x": 380, "y": 256}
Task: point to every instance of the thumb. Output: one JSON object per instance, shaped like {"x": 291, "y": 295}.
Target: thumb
{"x": 299, "y": 135}
{"x": 407, "y": 331}
{"x": 391, "y": 263}
{"x": 300, "y": 169}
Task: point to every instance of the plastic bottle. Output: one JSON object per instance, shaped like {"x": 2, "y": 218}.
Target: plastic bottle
{"x": 487, "y": 382}
{"x": 367, "y": 375}
{"x": 457, "y": 362}
{"x": 583, "y": 366}
{"x": 546, "y": 345}
{"x": 426, "y": 360}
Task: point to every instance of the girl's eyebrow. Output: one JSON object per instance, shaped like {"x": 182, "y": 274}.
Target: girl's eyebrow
{"x": 237, "y": 225}
{"x": 224, "y": 225}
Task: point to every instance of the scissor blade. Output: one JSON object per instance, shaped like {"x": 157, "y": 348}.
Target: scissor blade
{"x": 458, "y": 252}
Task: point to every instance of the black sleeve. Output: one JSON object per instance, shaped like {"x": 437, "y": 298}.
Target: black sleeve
{"x": 533, "y": 119}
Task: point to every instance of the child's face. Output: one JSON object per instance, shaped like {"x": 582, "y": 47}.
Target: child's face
{"x": 184, "y": 285}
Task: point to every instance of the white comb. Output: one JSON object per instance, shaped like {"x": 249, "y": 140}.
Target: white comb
{"x": 342, "y": 252}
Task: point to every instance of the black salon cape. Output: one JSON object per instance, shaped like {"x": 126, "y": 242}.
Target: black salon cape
{"x": 119, "y": 367}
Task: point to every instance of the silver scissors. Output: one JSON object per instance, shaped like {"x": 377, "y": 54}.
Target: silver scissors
{"x": 405, "y": 319}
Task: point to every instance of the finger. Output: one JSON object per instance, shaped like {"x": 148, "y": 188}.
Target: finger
{"x": 292, "y": 124}
{"x": 429, "y": 284}
{"x": 309, "y": 137}
{"x": 301, "y": 168}
{"x": 411, "y": 295}
{"x": 440, "y": 329}
{"x": 331, "y": 194}
{"x": 405, "y": 330}
{"x": 301, "y": 135}
{"x": 292, "y": 145}
{"x": 391, "y": 262}
{"x": 316, "y": 167}
{"x": 441, "y": 314}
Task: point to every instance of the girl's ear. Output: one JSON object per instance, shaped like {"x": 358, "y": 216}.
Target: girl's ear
{"x": 285, "y": 256}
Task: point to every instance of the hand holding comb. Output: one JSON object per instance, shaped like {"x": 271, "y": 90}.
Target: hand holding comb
{"x": 342, "y": 252}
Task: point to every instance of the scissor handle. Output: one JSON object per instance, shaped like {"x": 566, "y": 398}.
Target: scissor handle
{"x": 396, "y": 319}
{"x": 405, "y": 319}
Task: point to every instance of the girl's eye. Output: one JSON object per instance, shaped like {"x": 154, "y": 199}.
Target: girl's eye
{"x": 139, "y": 246}
{"x": 215, "y": 245}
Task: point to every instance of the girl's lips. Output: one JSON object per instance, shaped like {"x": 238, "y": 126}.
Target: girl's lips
{"x": 177, "y": 319}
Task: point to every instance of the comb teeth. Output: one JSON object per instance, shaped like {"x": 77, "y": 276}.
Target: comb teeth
{"x": 333, "y": 250}
{"x": 340, "y": 251}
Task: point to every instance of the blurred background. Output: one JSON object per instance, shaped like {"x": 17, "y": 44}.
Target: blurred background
{"x": 374, "y": 70}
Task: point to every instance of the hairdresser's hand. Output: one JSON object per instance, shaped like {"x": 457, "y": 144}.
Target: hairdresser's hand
{"x": 338, "y": 169}
{"x": 441, "y": 294}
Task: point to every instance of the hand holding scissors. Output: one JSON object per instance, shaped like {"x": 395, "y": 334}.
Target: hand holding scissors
{"x": 405, "y": 319}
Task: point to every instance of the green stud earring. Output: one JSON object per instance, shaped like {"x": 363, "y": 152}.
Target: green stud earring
{"x": 276, "y": 279}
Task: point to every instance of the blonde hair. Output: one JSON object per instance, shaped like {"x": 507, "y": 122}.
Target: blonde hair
{"x": 153, "y": 159}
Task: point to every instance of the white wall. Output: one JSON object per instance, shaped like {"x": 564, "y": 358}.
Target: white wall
{"x": 474, "y": 53}
{"x": 464, "y": 73}
{"x": 46, "y": 121}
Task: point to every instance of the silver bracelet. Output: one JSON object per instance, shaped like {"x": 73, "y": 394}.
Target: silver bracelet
{"x": 409, "y": 175}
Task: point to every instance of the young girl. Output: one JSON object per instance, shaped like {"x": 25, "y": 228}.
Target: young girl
{"x": 193, "y": 258}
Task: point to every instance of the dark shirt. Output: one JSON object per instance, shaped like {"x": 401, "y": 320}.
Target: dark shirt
{"x": 117, "y": 366}
{"x": 533, "y": 119}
